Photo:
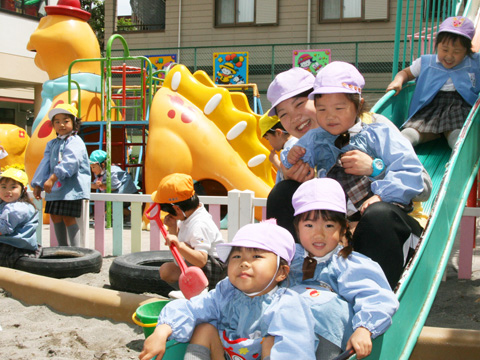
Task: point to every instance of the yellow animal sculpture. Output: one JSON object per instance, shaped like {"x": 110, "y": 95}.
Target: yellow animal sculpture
{"x": 196, "y": 129}
{"x": 60, "y": 38}
{"x": 14, "y": 139}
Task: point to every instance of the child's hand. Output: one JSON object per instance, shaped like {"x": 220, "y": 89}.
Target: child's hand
{"x": 155, "y": 344}
{"x": 395, "y": 85}
{"x": 48, "y": 186}
{"x": 273, "y": 157}
{"x": 300, "y": 172}
{"x": 368, "y": 202}
{"x": 356, "y": 162}
{"x": 361, "y": 341}
{"x": 172, "y": 239}
{"x": 37, "y": 192}
{"x": 401, "y": 78}
{"x": 295, "y": 154}
{"x": 170, "y": 222}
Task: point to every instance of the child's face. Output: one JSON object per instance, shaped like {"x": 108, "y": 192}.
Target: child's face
{"x": 62, "y": 124}
{"x": 450, "y": 54}
{"x": 10, "y": 190}
{"x": 297, "y": 115}
{"x": 319, "y": 237}
{"x": 336, "y": 113}
{"x": 275, "y": 139}
{"x": 96, "y": 169}
{"x": 250, "y": 270}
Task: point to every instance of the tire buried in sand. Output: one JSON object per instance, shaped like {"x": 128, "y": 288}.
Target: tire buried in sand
{"x": 138, "y": 272}
{"x": 62, "y": 262}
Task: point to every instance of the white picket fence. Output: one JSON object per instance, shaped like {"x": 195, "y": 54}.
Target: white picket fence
{"x": 242, "y": 207}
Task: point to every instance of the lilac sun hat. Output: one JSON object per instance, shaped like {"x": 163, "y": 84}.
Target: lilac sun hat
{"x": 458, "y": 25}
{"x": 287, "y": 84}
{"x": 319, "y": 194}
{"x": 266, "y": 235}
{"x": 338, "y": 77}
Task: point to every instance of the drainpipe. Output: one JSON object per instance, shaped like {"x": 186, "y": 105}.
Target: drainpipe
{"x": 180, "y": 29}
{"x": 309, "y": 25}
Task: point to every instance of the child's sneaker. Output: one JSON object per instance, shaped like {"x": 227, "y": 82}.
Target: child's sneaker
{"x": 176, "y": 294}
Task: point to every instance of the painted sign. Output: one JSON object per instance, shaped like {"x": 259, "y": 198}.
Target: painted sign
{"x": 311, "y": 60}
{"x": 230, "y": 68}
{"x": 161, "y": 62}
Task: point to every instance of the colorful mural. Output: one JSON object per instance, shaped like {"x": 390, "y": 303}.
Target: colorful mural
{"x": 160, "y": 62}
{"x": 311, "y": 60}
{"x": 230, "y": 68}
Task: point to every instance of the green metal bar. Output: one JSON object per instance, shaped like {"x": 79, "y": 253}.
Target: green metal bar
{"x": 412, "y": 45}
{"x": 272, "y": 67}
{"x": 396, "y": 49}
{"x": 405, "y": 36}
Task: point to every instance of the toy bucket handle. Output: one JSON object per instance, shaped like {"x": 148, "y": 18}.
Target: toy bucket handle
{"x": 139, "y": 323}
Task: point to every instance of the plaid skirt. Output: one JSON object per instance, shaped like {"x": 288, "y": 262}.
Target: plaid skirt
{"x": 10, "y": 254}
{"x": 64, "y": 207}
{"x": 447, "y": 111}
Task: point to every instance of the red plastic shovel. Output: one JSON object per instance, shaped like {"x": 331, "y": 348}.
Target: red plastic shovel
{"x": 192, "y": 280}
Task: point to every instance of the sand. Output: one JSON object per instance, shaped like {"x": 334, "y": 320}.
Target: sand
{"x": 37, "y": 332}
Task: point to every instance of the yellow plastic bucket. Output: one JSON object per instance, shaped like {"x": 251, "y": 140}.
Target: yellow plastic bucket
{"x": 146, "y": 316}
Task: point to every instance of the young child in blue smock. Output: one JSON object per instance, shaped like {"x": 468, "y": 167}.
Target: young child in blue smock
{"x": 64, "y": 174}
{"x": 233, "y": 319}
{"x": 447, "y": 84}
{"x": 325, "y": 257}
{"x": 18, "y": 219}
{"x": 379, "y": 204}
{"x": 122, "y": 182}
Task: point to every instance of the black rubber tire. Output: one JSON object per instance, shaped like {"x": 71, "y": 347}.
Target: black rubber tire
{"x": 62, "y": 262}
{"x": 138, "y": 272}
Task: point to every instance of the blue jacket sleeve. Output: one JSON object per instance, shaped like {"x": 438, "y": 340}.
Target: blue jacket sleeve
{"x": 184, "y": 315}
{"x": 291, "y": 322}
{"x": 403, "y": 170}
{"x": 43, "y": 170}
{"x": 362, "y": 283}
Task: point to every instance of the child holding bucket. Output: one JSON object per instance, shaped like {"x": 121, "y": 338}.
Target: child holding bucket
{"x": 243, "y": 309}
{"x": 191, "y": 228}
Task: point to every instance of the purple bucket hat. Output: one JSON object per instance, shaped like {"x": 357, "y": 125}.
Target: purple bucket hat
{"x": 266, "y": 235}
{"x": 338, "y": 77}
{"x": 287, "y": 84}
{"x": 458, "y": 25}
{"x": 319, "y": 194}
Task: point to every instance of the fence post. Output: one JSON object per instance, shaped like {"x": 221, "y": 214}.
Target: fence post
{"x": 117, "y": 228}
{"x": 246, "y": 208}
{"x": 38, "y": 232}
{"x": 83, "y": 222}
{"x": 233, "y": 203}
{"x": 99, "y": 209}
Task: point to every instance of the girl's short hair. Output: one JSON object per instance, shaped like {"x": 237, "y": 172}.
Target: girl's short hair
{"x": 77, "y": 122}
{"x": 447, "y": 37}
{"x": 329, "y": 215}
{"x": 24, "y": 196}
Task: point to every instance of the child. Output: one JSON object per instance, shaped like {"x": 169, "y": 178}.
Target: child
{"x": 397, "y": 173}
{"x": 447, "y": 84}
{"x": 196, "y": 236}
{"x": 122, "y": 182}
{"x": 272, "y": 129}
{"x": 18, "y": 219}
{"x": 321, "y": 224}
{"x": 64, "y": 174}
{"x": 243, "y": 309}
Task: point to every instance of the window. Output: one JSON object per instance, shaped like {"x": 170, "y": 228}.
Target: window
{"x": 353, "y": 10}
{"x": 25, "y": 7}
{"x": 245, "y": 12}
{"x": 140, "y": 15}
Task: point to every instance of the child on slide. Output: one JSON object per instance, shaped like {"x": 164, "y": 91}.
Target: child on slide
{"x": 233, "y": 320}
{"x": 325, "y": 257}
{"x": 447, "y": 84}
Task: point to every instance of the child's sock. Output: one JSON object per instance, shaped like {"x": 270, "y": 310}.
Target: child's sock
{"x": 452, "y": 137}
{"x": 412, "y": 135}
{"x": 197, "y": 352}
{"x": 61, "y": 233}
{"x": 74, "y": 235}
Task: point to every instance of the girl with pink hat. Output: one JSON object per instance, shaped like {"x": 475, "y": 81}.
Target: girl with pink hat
{"x": 234, "y": 319}
{"x": 380, "y": 203}
{"x": 325, "y": 257}
{"x": 447, "y": 84}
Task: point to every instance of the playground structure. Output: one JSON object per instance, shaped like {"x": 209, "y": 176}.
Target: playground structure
{"x": 180, "y": 119}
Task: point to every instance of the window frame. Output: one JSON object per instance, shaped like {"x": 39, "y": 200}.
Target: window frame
{"x": 23, "y": 14}
{"x": 350, "y": 20}
{"x": 115, "y": 22}
{"x": 216, "y": 10}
